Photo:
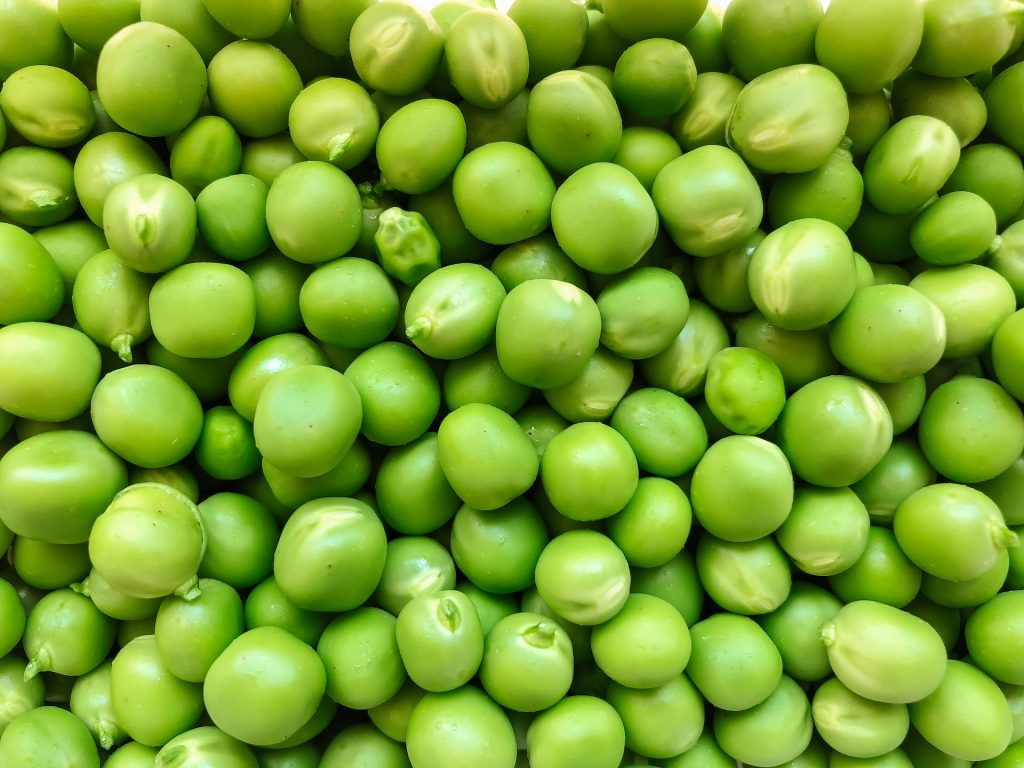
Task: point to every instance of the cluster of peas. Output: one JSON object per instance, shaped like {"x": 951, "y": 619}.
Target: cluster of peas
{"x": 371, "y": 397}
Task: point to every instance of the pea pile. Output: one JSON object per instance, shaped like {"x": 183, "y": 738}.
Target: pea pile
{"x": 559, "y": 386}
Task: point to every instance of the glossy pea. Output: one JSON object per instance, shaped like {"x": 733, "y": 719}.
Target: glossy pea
{"x": 882, "y": 573}
{"x": 277, "y": 285}
{"x": 415, "y": 565}
{"x": 481, "y": 42}
{"x": 115, "y": 603}
{"x": 498, "y": 550}
{"x": 479, "y": 378}
{"x": 363, "y": 744}
{"x": 91, "y": 703}
{"x": 361, "y": 655}
{"x": 346, "y": 477}
{"x": 549, "y": 53}
{"x": 195, "y": 746}
{"x": 479, "y": 730}
{"x": 36, "y": 186}
{"x": 533, "y": 651}
{"x": 921, "y": 142}
{"x": 969, "y": 593}
{"x": 440, "y": 640}
{"x": 48, "y": 736}
{"x": 663, "y": 430}
{"x": 267, "y": 158}
{"x": 402, "y": 154}
{"x": 334, "y": 120}
{"x": 396, "y": 48}
{"x": 855, "y": 726}
{"x": 191, "y": 634}
{"x": 14, "y": 617}
{"x": 267, "y": 606}
{"x": 595, "y": 393}
{"x": 795, "y": 629}
{"x": 208, "y": 149}
{"x": 597, "y": 738}
{"x": 705, "y": 752}
{"x": 414, "y": 495}
{"x": 231, "y": 217}
{"x": 192, "y": 20}
{"x": 702, "y": 120}
{"x": 406, "y": 246}
{"x": 33, "y": 35}
{"x": 107, "y": 160}
{"x": 776, "y": 730}
{"x": 826, "y": 531}
{"x": 728, "y": 568}
{"x": 993, "y": 172}
{"x": 833, "y": 192}
{"x": 1001, "y": 100}
{"x": 150, "y": 222}
{"x": 48, "y": 106}
{"x": 953, "y": 100}
{"x": 65, "y": 633}
{"x": 1006, "y": 353}
{"x": 349, "y": 302}
{"x": 960, "y": 42}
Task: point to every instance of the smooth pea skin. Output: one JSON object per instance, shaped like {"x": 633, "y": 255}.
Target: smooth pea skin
{"x": 910, "y": 163}
{"x": 13, "y": 613}
{"x": 269, "y": 708}
{"x": 884, "y": 654}
{"x": 107, "y": 160}
{"x": 644, "y": 151}
{"x": 150, "y": 222}
{"x": 487, "y": 58}
{"x": 1001, "y": 98}
{"x": 759, "y": 36}
{"x": 705, "y": 115}
{"x": 882, "y": 573}
{"x": 201, "y": 746}
{"x": 654, "y": 525}
{"x": 775, "y": 731}
{"x": 48, "y": 737}
{"x": 960, "y": 40}
{"x": 708, "y": 200}
{"x": 665, "y": 433}
{"x": 17, "y": 695}
{"x": 36, "y": 186}
{"x": 1008, "y": 355}
{"x": 413, "y": 494}
{"x": 476, "y": 731}
{"x": 252, "y": 84}
{"x": 855, "y": 726}
{"x": 440, "y": 640}
{"x": 645, "y": 645}
{"x": 207, "y": 150}
{"x": 991, "y": 171}
{"x": 527, "y": 662}
{"x": 795, "y": 629}
{"x": 190, "y": 635}
{"x": 579, "y": 730}
{"x": 583, "y": 577}
{"x": 91, "y": 703}
{"x": 498, "y": 549}
{"x": 360, "y": 653}
{"x": 151, "y": 79}
{"x": 728, "y": 569}
{"x": 362, "y": 745}
{"x": 993, "y": 634}
{"x": 334, "y": 120}
{"x": 420, "y": 145}
{"x": 826, "y": 531}
{"x": 594, "y": 395}
{"x": 48, "y": 106}
{"x": 113, "y": 303}
{"x": 903, "y": 470}
{"x": 642, "y": 311}
{"x": 555, "y": 34}
{"x": 958, "y": 227}
{"x": 744, "y": 390}
{"x": 395, "y": 47}
{"x": 955, "y": 101}
{"x": 54, "y": 485}
{"x": 486, "y": 456}
{"x": 349, "y": 302}
{"x": 232, "y": 217}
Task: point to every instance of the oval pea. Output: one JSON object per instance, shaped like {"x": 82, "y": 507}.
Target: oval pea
{"x": 535, "y": 653}
{"x": 17, "y": 695}
{"x": 360, "y": 652}
{"x": 1007, "y": 354}
{"x": 481, "y": 42}
{"x": 903, "y": 470}
{"x": 654, "y": 525}
{"x": 410, "y": 161}
{"x": 705, "y": 115}
{"x": 91, "y": 703}
{"x": 107, "y": 160}
{"x": 240, "y": 539}
{"x": 37, "y": 186}
{"x": 826, "y": 531}
{"x": 268, "y": 606}
{"x": 113, "y": 303}
{"x": 855, "y": 726}
{"x": 413, "y": 493}
{"x": 47, "y": 105}
{"x": 191, "y": 634}
{"x": 396, "y": 48}
{"x": 597, "y": 737}
{"x": 115, "y": 603}
{"x": 498, "y": 550}
{"x": 959, "y": 41}
{"x": 45, "y": 565}
{"x": 479, "y": 378}
{"x": 197, "y": 746}
{"x": 69, "y": 741}
{"x": 65, "y": 633}
{"x": 482, "y": 731}
{"x": 406, "y": 246}
{"x": 440, "y": 640}
{"x": 13, "y": 612}
{"x": 664, "y": 431}
{"x": 953, "y": 100}
{"x": 208, "y": 149}
{"x": 415, "y": 565}
{"x": 882, "y": 573}
{"x": 919, "y": 142}
{"x": 583, "y": 576}
{"x": 774, "y": 731}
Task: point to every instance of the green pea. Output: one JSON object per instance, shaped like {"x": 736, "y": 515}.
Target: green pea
{"x": 637, "y": 328}
{"x": 334, "y": 120}
{"x": 327, "y": 24}
{"x": 349, "y": 302}
{"x": 579, "y": 729}
{"x": 967, "y": 716}
{"x": 440, "y": 640}
{"x": 441, "y": 211}
{"x": 855, "y": 726}
{"x": 540, "y": 422}
{"x": 703, "y": 118}
{"x": 882, "y": 573}
{"x": 795, "y": 629}
{"x": 633, "y": 21}
{"x": 267, "y": 158}
{"x": 704, "y": 753}
{"x": 395, "y": 47}
{"x": 708, "y": 200}
{"x": 268, "y": 606}
{"x": 347, "y": 477}
{"x": 478, "y": 378}
{"x": 48, "y": 737}
{"x": 969, "y": 592}
{"x": 413, "y": 493}
{"x": 150, "y": 222}
{"x": 775, "y": 731}
{"x": 262, "y": 20}
{"x": 870, "y": 118}
{"x": 150, "y": 93}
{"x": 360, "y": 653}
{"x": 579, "y": 636}
{"x": 654, "y": 77}
{"x": 1012, "y": 754}
{"x": 528, "y": 662}
{"x": 13, "y": 613}
{"x": 36, "y": 186}
{"x": 32, "y": 35}
{"x": 190, "y": 635}
{"x": 583, "y": 576}
{"x": 207, "y": 150}
{"x": 107, "y": 160}
{"x": 490, "y": 608}
{"x": 273, "y": 707}
{"x": 659, "y": 721}
{"x": 47, "y": 106}
{"x": 477, "y": 731}
{"x": 301, "y": 756}
{"x": 406, "y": 246}
{"x": 945, "y": 620}
{"x": 644, "y": 151}
{"x": 1013, "y": 694}
{"x": 199, "y": 745}
{"x": 993, "y": 172}
{"x": 663, "y": 430}
{"x": 826, "y": 532}
{"x": 959, "y": 41}
{"x": 415, "y": 565}
{"x": 555, "y": 34}
{"x": 231, "y": 217}
{"x": 1006, "y": 259}
{"x": 867, "y": 44}
{"x": 759, "y": 37}
{"x": 884, "y": 654}
{"x": 113, "y": 303}
{"x": 919, "y": 143}
{"x": 54, "y": 485}
{"x": 487, "y": 57}
{"x": 883, "y": 237}
{"x": 420, "y": 145}
{"x": 593, "y": 395}
{"x": 314, "y": 212}
{"x": 485, "y": 456}
{"x": 958, "y": 227}
{"x": 507, "y": 123}
{"x": 226, "y": 449}
{"x": 17, "y": 696}
{"x": 682, "y": 367}
{"x": 331, "y": 554}
{"x": 91, "y": 703}
{"x": 1007, "y": 352}
{"x": 392, "y": 717}
{"x": 654, "y": 525}
{"x": 901, "y": 471}
{"x": 953, "y": 100}
{"x": 33, "y": 288}
{"x": 974, "y": 299}
{"x": 71, "y": 244}
{"x": 132, "y": 755}
{"x": 498, "y": 550}
{"x": 65, "y": 633}
{"x": 115, "y": 603}
{"x": 363, "y": 746}
{"x": 191, "y": 19}
{"x": 727, "y": 569}
{"x": 277, "y": 283}
{"x": 1001, "y": 100}
{"x": 252, "y": 85}
{"x": 832, "y": 192}
{"x": 744, "y": 390}
{"x": 44, "y": 565}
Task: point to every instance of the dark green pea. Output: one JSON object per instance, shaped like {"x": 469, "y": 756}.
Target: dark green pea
{"x": 406, "y": 246}
{"x": 703, "y": 118}
{"x": 267, "y": 158}
{"x": 870, "y": 118}
{"x": 994, "y": 172}
{"x": 632, "y": 20}
{"x": 191, "y": 19}
{"x": 415, "y": 565}
{"x": 759, "y": 37}
{"x": 45, "y": 565}
{"x": 67, "y": 634}
{"x": 231, "y": 217}
{"x": 48, "y": 737}
{"x": 969, "y": 592}
{"x": 832, "y": 192}
{"x": 883, "y": 237}
{"x": 207, "y": 378}
{"x": 395, "y": 47}
{"x": 226, "y": 449}
{"x": 883, "y": 573}
{"x": 150, "y": 94}
{"x": 13, "y": 613}
{"x": 491, "y": 608}
{"x": 111, "y": 302}
{"x": 480, "y": 379}
{"x": 723, "y": 280}
{"x": 901, "y": 471}
{"x": 277, "y": 282}
{"x": 663, "y": 431}
{"x": 310, "y": 62}
{"x": 919, "y": 142}
{"x": 413, "y": 493}
{"x": 32, "y": 35}
{"x": 33, "y": 287}
{"x": 115, "y": 603}
{"x": 302, "y": 756}
{"x": 207, "y": 150}
{"x": 944, "y": 620}
{"x": 654, "y": 78}
{"x": 498, "y": 550}
{"x": 314, "y": 212}
{"x": 961, "y": 40}
{"x": 1001, "y": 98}
{"x": 36, "y": 186}
{"x": 48, "y": 106}
{"x": 334, "y": 120}
{"x": 506, "y": 123}
{"x": 855, "y": 726}
{"x": 953, "y": 100}
{"x": 659, "y": 721}
{"x": 728, "y": 570}
{"x": 91, "y": 703}
{"x": 349, "y": 302}
{"x": 107, "y": 160}
{"x": 268, "y": 606}
{"x": 17, "y": 695}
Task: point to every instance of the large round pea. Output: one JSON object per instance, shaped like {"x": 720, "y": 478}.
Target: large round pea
{"x": 654, "y": 77}
{"x": 583, "y": 577}
{"x": 914, "y": 330}
{"x": 65, "y": 633}
{"x": 528, "y": 662}
{"x": 536, "y": 257}
{"x": 331, "y": 554}
{"x": 728, "y": 569}
{"x": 855, "y": 726}
{"x": 48, "y": 106}
{"x": 252, "y": 85}
{"x": 993, "y": 634}
{"x": 153, "y": 524}
{"x": 546, "y": 332}
{"x": 910, "y": 163}
{"x": 663, "y": 430}
{"x": 190, "y": 18}
{"x": 107, "y": 160}
{"x": 150, "y": 222}
{"x": 633, "y": 20}
{"x": 744, "y": 390}
{"x": 1008, "y": 355}
{"x": 958, "y": 227}
{"x": 334, "y": 120}
{"x": 645, "y": 645}
{"x": 485, "y": 456}
{"x": 54, "y": 485}
{"x": 420, "y": 145}
{"x": 269, "y": 707}
{"x": 349, "y": 302}
{"x": 32, "y": 34}
{"x": 795, "y": 629}
{"x": 231, "y": 213}
{"x": 882, "y": 573}
{"x": 151, "y": 79}
{"x": 440, "y": 640}
{"x": 971, "y": 430}
{"x": 314, "y": 212}
{"x": 654, "y": 525}
{"x": 113, "y": 303}
{"x": 603, "y": 218}
{"x": 36, "y": 186}
{"x": 868, "y": 44}
{"x": 460, "y": 727}
{"x": 498, "y": 549}
{"x": 395, "y": 47}
{"x": 579, "y": 730}
{"x": 642, "y": 311}
{"x": 967, "y": 716}
{"x": 960, "y": 40}
{"x": 708, "y": 200}
{"x": 589, "y": 471}
{"x": 413, "y": 494}
{"x": 360, "y": 653}
{"x": 191, "y": 634}
{"x": 487, "y": 57}
{"x": 826, "y": 531}
{"x": 884, "y": 654}
{"x": 495, "y": 210}
{"x": 834, "y": 430}
{"x": 48, "y": 737}
{"x": 753, "y": 502}
{"x": 775, "y": 731}
{"x": 147, "y": 415}
{"x": 789, "y": 120}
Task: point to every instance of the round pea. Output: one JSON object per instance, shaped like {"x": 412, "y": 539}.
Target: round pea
{"x": 13, "y": 613}
{"x": 115, "y": 603}
{"x": 727, "y": 569}
{"x": 413, "y": 494}
{"x": 48, "y": 737}
{"x": 107, "y": 160}
{"x": 334, "y": 120}
{"x": 642, "y": 311}
{"x": 654, "y": 77}
{"x": 191, "y": 634}
{"x": 191, "y": 19}
{"x": 363, "y": 745}
{"x": 910, "y": 162}
{"x": 968, "y": 593}
{"x": 826, "y": 531}
{"x": 1007, "y": 354}
{"x": 201, "y": 744}
{"x": 662, "y": 720}
{"x": 644, "y": 151}
{"x": 231, "y": 217}
{"x": 48, "y": 106}
{"x": 65, "y": 633}
{"x": 395, "y": 47}
{"x": 772, "y": 732}
{"x": 277, "y": 284}
{"x": 208, "y": 149}
{"x": 32, "y": 35}
{"x": 654, "y": 525}
{"x": 951, "y": 99}
{"x": 744, "y": 390}
{"x": 705, "y": 115}
{"x": 994, "y": 172}
{"x": 833, "y": 192}
{"x": 795, "y": 629}
{"x": 555, "y": 34}
{"x": 958, "y": 227}
{"x": 704, "y": 753}
{"x": 349, "y": 302}
{"x": 476, "y": 731}
{"x": 632, "y": 20}
{"x": 361, "y": 655}
{"x": 583, "y": 576}
{"x": 150, "y": 222}
{"x": 415, "y": 565}
{"x": 579, "y": 729}
{"x": 1001, "y": 100}
{"x": 44, "y": 565}
{"x": 71, "y": 244}
{"x": 345, "y": 478}
{"x": 440, "y": 640}
{"x": 480, "y": 379}
{"x": 664, "y": 431}
{"x": 268, "y": 606}
{"x": 498, "y": 550}
{"x": 759, "y": 37}
{"x": 414, "y": 160}
{"x": 855, "y": 726}
{"x": 267, "y": 158}
{"x": 901, "y": 471}
{"x": 528, "y": 662}
{"x": 882, "y": 573}
{"x": 113, "y": 303}
{"x": 959, "y": 41}
{"x": 487, "y": 57}
{"x": 17, "y": 695}
{"x": 253, "y": 84}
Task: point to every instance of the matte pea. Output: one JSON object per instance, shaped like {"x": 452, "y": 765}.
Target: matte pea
{"x": 579, "y": 635}
{"x": 704, "y": 42}
{"x": 302, "y": 756}
{"x": 361, "y": 655}
{"x": 44, "y": 565}
{"x": 478, "y": 731}
{"x": 151, "y": 79}
{"x": 644, "y": 151}
{"x": 580, "y": 729}
{"x": 107, "y": 160}
{"x": 13, "y": 613}
{"x": 498, "y": 550}
{"x": 47, "y": 105}
{"x": 727, "y": 569}
{"x": 48, "y": 737}
{"x": 150, "y": 222}
{"x": 395, "y": 47}
{"x": 479, "y": 378}
{"x": 583, "y": 576}
{"x": 327, "y": 24}
{"x": 637, "y": 328}
{"x": 654, "y": 525}
{"x": 65, "y": 633}
{"x": 415, "y": 565}
{"x": 267, "y": 158}
{"x": 413, "y": 493}
{"x": 958, "y": 227}
{"x": 17, "y": 695}
{"x": 833, "y": 192}
{"x": 113, "y": 303}
{"x": 1001, "y": 100}
{"x": 550, "y": 52}
{"x": 969, "y": 593}
{"x": 659, "y": 721}
{"x": 901, "y": 471}
{"x": 959, "y": 41}
{"x": 919, "y": 142}
{"x": 826, "y": 531}
{"x": 91, "y": 703}
{"x": 759, "y": 37}
{"x": 208, "y": 149}
{"x": 115, "y": 603}
{"x": 440, "y": 209}
{"x": 71, "y": 244}
{"x": 994, "y": 172}
{"x": 413, "y": 159}
{"x": 277, "y": 284}
{"x": 663, "y": 430}
{"x": 884, "y": 654}
{"x": 268, "y": 606}
{"x": 855, "y": 726}
{"x": 882, "y": 573}
{"x": 795, "y": 629}
{"x": 334, "y": 120}
{"x": 705, "y": 115}
{"x": 527, "y": 663}
{"x": 705, "y": 753}
{"x": 36, "y": 186}
{"x": 654, "y": 77}
{"x": 392, "y": 717}
{"x": 490, "y": 608}
{"x": 262, "y": 20}
{"x": 540, "y": 423}
{"x": 682, "y": 367}
{"x": 953, "y": 100}
{"x": 345, "y": 478}
{"x": 595, "y": 393}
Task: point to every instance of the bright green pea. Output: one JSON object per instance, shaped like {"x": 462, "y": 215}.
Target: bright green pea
{"x": 910, "y": 163}
{"x": 958, "y": 227}
{"x": 231, "y": 217}
{"x": 723, "y": 280}
{"x": 961, "y": 40}
{"x": 362, "y": 746}
{"x": 253, "y": 85}
{"x": 662, "y": 720}
{"x": 65, "y": 633}
{"x": 883, "y": 237}
{"x": 708, "y": 200}
{"x": 498, "y": 550}
{"x": 151, "y": 79}
{"x": 487, "y": 57}
{"x": 901, "y": 471}
{"x": 360, "y": 653}
{"x": 945, "y": 620}
{"x": 654, "y": 77}
{"x": 868, "y": 44}
{"x": 703, "y": 118}
{"x": 833, "y": 192}
{"x": 392, "y": 717}
{"x": 642, "y": 311}
{"x": 32, "y": 287}
{"x": 775, "y": 731}
{"x": 654, "y": 525}
{"x": 17, "y": 695}
{"x": 1007, "y": 353}
{"x": 13, "y": 613}
{"x": 826, "y": 531}
{"x": 852, "y": 431}
{"x": 406, "y": 246}
{"x": 48, "y": 737}
{"x": 581, "y": 730}
{"x": 733, "y": 662}
{"x": 884, "y": 654}
{"x": 953, "y": 100}
{"x": 334, "y": 120}
{"x": 507, "y": 123}
{"x": 479, "y": 379}
{"x": 485, "y": 456}
{"x": 663, "y": 430}
{"x": 1002, "y": 100}
{"x": 413, "y": 494}
{"x": 112, "y": 303}
{"x": 728, "y": 569}
{"x": 441, "y": 211}
{"x": 795, "y": 629}
{"x": 644, "y": 151}
{"x": 190, "y": 635}
{"x": 199, "y": 745}
{"x": 632, "y": 20}
{"x": 420, "y": 145}
{"x": 528, "y": 662}
{"x": 395, "y": 47}
{"x": 579, "y": 635}
{"x": 968, "y": 593}
{"x": 261, "y": 20}
{"x": 191, "y": 19}
{"x": 36, "y": 186}
{"x": 349, "y": 302}
{"x": 32, "y": 34}
{"x": 226, "y": 449}
{"x": 277, "y": 283}
{"x": 541, "y": 423}
{"x": 107, "y": 160}
{"x": 593, "y": 395}
{"x": 268, "y": 606}
{"x": 415, "y": 565}
{"x": 882, "y": 573}
{"x": 744, "y": 390}
{"x": 305, "y": 755}
{"x": 476, "y": 731}
{"x": 682, "y": 367}
{"x": 47, "y": 106}
{"x": 331, "y": 554}
{"x": 327, "y": 24}
{"x": 314, "y": 212}
{"x": 995, "y": 173}
{"x": 44, "y": 565}
{"x": 967, "y": 716}
{"x": 583, "y": 576}
{"x": 491, "y": 608}
{"x": 555, "y": 34}
{"x": 440, "y": 640}
{"x": 115, "y": 603}
{"x": 207, "y": 378}
{"x": 71, "y": 244}
{"x": 1014, "y": 694}
{"x": 346, "y": 478}
{"x": 207, "y": 150}
{"x": 266, "y": 159}
{"x": 759, "y": 37}
{"x": 150, "y": 222}
{"x": 855, "y": 726}
{"x": 705, "y": 753}
{"x": 704, "y": 41}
